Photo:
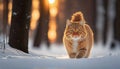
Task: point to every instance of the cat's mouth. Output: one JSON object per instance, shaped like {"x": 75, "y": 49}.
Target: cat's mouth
{"x": 77, "y": 38}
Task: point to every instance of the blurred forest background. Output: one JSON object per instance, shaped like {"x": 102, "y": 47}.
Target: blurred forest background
{"x": 43, "y": 21}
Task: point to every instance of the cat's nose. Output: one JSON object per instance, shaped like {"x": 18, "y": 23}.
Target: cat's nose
{"x": 75, "y": 33}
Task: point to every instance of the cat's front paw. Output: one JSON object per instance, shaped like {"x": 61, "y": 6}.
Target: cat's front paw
{"x": 72, "y": 55}
{"x": 81, "y": 53}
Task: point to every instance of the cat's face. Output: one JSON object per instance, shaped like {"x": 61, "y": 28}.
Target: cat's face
{"x": 76, "y": 31}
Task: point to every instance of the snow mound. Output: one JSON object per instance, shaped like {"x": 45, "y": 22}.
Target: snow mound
{"x": 11, "y": 52}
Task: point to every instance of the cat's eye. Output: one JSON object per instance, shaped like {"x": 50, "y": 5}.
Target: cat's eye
{"x": 71, "y": 30}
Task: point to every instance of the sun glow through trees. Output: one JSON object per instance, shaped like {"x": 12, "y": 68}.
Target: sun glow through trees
{"x": 52, "y": 35}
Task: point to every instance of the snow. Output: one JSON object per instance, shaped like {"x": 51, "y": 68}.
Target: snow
{"x": 14, "y": 13}
{"x": 29, "y": 16}
{"x": 111, "y": 62}
{"x": 56, "y": 58}
{"x": 26, "y": 27}
{"x": 56, "y": 51}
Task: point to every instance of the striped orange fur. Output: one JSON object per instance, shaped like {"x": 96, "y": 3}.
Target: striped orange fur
{"x": 78, "y": 37}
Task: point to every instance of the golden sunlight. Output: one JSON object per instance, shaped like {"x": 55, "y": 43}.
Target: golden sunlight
{"x": 35, "y": 17}
{"x": 9, "y": 12}
{"x": 53, "y": 11}
{"x": 51, "y": 1}
{"x": 1, "y": 6}
{"x": 52, "y": 34}
{"x": 35, "y": 14}
{"x": 52, "y": 31}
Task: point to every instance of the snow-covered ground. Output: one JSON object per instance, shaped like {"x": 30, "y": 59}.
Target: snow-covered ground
{"x": 56, "y": 58}
{"x": 110, "y": 62}
{"x": 59, "y": 51}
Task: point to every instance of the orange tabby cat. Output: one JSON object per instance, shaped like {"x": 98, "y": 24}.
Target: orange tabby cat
{"x": 78, "y": 37}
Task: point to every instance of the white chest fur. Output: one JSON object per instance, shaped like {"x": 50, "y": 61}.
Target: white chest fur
{"x": 75, "y": 44}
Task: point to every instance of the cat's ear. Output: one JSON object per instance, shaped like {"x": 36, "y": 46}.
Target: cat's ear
{"x": 68, "y": 22}
{"x": 82, "y": 22}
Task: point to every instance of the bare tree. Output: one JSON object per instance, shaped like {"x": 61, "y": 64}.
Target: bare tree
{"x": 42, "y": 27}
{"x": 5, "y": 15}
{"x": 117, "y": 21}
{"x": 105, "y": 28}
{"x": 18, "y": 37}
{"x": 116, "y": 25}
{"x": 1, "y": 18}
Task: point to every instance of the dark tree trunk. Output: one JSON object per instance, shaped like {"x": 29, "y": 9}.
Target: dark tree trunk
{"x": 5, "y": 21}
{"x": 1, "y": 18}
{"x": 61, "y": 20}
{"x": 117, "y": 22}
{"x": 5, "y": 15}
{"x": 18, "y": 37}
{"x": 94, "y": 14}
{"x": 105, "y": 28}
{"x": 116, "y": 25}
{"x": 42, "y": 27}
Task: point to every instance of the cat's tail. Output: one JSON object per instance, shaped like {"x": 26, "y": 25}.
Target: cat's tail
{"x": 77, "y": 17}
